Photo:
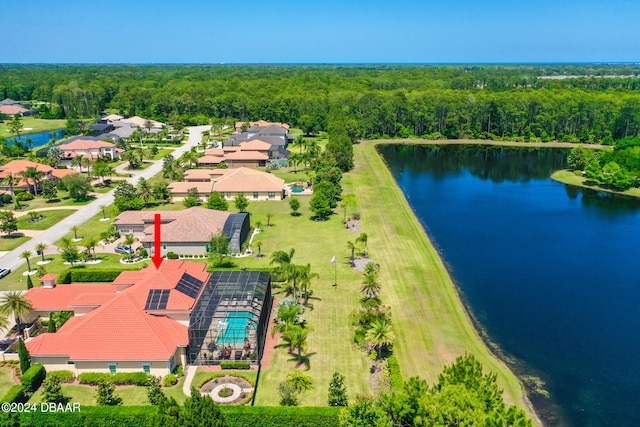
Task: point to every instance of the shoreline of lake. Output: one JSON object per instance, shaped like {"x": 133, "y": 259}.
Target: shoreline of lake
{"x": 569, "y": 178}
{"x": 450, "y": 330}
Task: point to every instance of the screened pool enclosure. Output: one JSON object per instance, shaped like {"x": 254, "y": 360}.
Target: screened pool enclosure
{"x": 230, "y": 319}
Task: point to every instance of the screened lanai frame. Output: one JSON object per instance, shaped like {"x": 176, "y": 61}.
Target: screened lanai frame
{"x": 230, "y": 319}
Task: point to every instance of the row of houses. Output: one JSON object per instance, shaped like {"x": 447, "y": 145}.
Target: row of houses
{"x": 9, "y": 107}
{"x": 16, "y": 167}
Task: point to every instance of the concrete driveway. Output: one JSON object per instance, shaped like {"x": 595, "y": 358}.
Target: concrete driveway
{"x": 12, "y": 259}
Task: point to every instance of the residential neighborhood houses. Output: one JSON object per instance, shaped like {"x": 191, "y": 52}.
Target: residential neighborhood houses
{"x": 156, "y": 305}
{"x": 16, "y": 169}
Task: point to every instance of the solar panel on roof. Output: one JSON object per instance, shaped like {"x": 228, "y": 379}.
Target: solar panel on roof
{"x": 189, "y": 285}
{"x": 157, "y": 299}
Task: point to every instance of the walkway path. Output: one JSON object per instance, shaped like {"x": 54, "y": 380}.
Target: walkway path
{"x": 12, "y": 260}
{"x": 191, "y": 372}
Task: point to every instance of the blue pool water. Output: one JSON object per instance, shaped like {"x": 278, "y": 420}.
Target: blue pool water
{"x": 38, "y": 139}
{"x": 296, "y": 190}
{"x": 236, "y": 328}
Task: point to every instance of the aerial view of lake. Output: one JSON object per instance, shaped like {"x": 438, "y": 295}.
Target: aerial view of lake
{"x": 38, "y": 139}
{"x": 549, "y": 271}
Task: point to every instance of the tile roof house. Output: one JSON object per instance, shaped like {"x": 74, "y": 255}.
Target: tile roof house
{"x": 14, "y": 168}
{"x": 12, "y": 110}
{"x": 275, "y": 134}
{"x": 250, "y": 154}
{"x": 143, "y": 320}
{"x": 89, "y": 147}
{"x": 186, "y": 232}
{"x": 254, "y": 184}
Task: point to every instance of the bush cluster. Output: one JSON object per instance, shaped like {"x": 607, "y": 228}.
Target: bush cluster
{"x": 235, "y": 365}
{"x": 16, "y": 394}
{"x": 122, "y": 378}
{"x": 64, "y": 278}
{"x": 396, "y": 380}
{"x": 172, "y": 255}
{"x": 169, "y": 380}
{"x": 62, "y": 376}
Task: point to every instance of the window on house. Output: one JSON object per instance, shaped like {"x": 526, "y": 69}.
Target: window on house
{"x": 228, "y": 195}
{"x": 113, "y": 368}
{"x": 255, "y": 195}
{"x": 164, "y": 247}
{"x": 272, "y": 195}
{"x": 146, "y": 367}
{"x": 70, "y": 362}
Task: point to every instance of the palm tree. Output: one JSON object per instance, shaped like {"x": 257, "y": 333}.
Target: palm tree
{"x": 91, "y": 245}
{"x": 31, "y": 173}
{"x": 145, "y": 190}
{"x": 65, "y": 242}
{"x": 281, "y": 257}
{"x": 26, "y": 255}
{"x": 370, "y": 285}
{"x": 41, "y": 247}
{"x": 75, "y": 229}
{"x": 77, "y": 162}
{"x": 269, "y": 216}
{"x": 305, "y": 277}
{"x": 258, "y": 244}
{"x": 380, "y": 334}
{"x": 352, "y": 247}
{"x": 129, "y": 239}
{"x": 11, "y": 181}
{"x": 88, "y": 162}
{"x": 102, "y": 208}
{"x": 299, "y": 340}
{"x": 363, "y": 238}
{"x": 14, "y": 303}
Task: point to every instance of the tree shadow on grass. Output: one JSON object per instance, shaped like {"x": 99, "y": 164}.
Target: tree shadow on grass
{"x": 305, "y": 360}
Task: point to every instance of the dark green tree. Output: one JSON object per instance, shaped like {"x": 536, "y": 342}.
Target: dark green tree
{"x": 51, "y": 326}
{"x": 8, "y": 222}
{"x": 193, "y": 198}
{"x": 320, "y": 204}
{"x": 294, "y": 204}
{"x": 23, "y": 355}
{"x": 49, "y": 190}
{"x": 241, "y": 202}
{"x": 29, "y": 282}
{"x": 200, "y": 411}
{"x": 78, "y": 186}
{"x": 289, "y": 395}
{"x": 52, "y": 391}
{"x": 155, "y": 395}
{"x": 105, "y": 396}
{"x": 337, "y": 391}
{"x": 217, "y": 202}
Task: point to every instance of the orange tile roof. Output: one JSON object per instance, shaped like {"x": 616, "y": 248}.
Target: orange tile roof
{"x": 12, "y": 109}
{"x": 246, "y": 155}
{"x": 247, "y": 180}
{"x": 192, "y": 225}
{"x": 214, "y": 152}
{"x": 183, "y": 187}
{"x": 255, "y": 145}
{"x": 121, "y": 329}
{"x": 16, "y": 166}
{"x": 197, "y": 174}
{"x": 86, "y": 144}
{"x": 230, "y": 148}
{"x": 61, "y": 173}
{"x": 61, "y": 297}
{"x": 210, "y": 160}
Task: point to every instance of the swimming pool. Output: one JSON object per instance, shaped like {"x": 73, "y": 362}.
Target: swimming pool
{"x": 235, "y": 328}
{"x": 295, "y": 189}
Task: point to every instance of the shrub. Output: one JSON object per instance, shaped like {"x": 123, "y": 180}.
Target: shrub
{"x": 397, "y": 382}
{"x": 169, "y": 380}
{"x": 23, "y": 197}
{"x": 235, "y": 365}
{"x": 63, "y": 376}
{"x": 32, "y": 379}
{"x": 6, "y": 198}
{"x": 16, "y": 394}
{"x": 172, "y": 255}
{"x": 64, "y": 278}
{"x": 122, "y": 378}
{"x": 94, "y": 275}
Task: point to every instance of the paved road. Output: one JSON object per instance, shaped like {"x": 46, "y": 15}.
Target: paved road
{"x": 12, "y": 260}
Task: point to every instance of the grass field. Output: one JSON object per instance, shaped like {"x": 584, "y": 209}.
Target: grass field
{"x": 431, "y": 325}
{"x": 63, "y": 200}
{"x": 8, "y": 243}
{"x": 6, "y": 381}
{"x": 86, "y": 396}
{"x": 50, "y": 218}
{"x": 35, "y": 125}
{"x": 568, "y": 177}
{"x": 330, "y": 344}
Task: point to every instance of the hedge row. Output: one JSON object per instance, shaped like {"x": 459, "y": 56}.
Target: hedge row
{"x": 235, "y": 365}
{"x": 122, "y": 378}
{"x": 140, "y": 416}
{"x": 64, "y": 278}
{"x": 32, "y": 379}
{"x": 215, "y": 375}
{"x": 94, "y": 275}
{"x": 16, "y": 394}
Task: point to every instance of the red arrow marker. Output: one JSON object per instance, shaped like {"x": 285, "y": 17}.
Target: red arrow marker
{"x": 157, "y": 258}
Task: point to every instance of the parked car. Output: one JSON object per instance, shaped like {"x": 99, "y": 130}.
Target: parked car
{"x": 124, "y": 250}
{"x": 4, "y": 272}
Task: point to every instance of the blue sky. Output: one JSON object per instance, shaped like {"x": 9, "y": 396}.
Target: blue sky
{"x": 281, "y": 31}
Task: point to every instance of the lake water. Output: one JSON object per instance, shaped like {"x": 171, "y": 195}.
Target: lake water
{"x": 40, "y": 138}
{"x": 549, "y": 271}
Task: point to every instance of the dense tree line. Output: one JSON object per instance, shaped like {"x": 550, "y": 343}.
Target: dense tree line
{"x": 479, "y": 101}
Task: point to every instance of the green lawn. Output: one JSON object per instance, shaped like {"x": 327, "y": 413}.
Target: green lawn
{"x": 201, "y": 376}
{"x": 85, "y": 396}
{"x": 330, "y": 344}
{"x": 431, "y": 325}
{"x": 569, "y": 177}
{"x": 92, "y": 228}
{"x": 176, "y": 392}
{"x": 36, "y": 125}
{"x": 162, "y": 154}
{"x": 8, "y": 243}
{"x": 6, "y": 381}
{"x": 50, "y": 218}
{"x": 290, "y": 176}
{"x": 63, "y": 200}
